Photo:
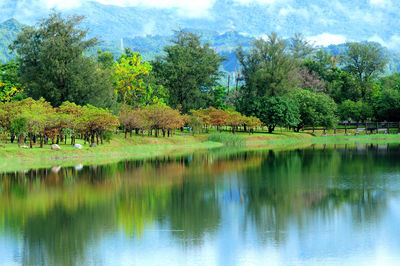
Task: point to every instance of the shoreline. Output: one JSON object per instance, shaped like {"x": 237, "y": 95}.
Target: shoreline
{"x": 15, "y": 159}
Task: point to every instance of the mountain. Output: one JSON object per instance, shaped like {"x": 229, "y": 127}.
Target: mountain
{"x": 325, "y": 21}
{"x": 8, "y": 32}
{"x": 227, "y": 24}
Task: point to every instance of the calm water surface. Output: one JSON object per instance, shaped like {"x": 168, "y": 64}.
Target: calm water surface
{"x": 333, "y": 205}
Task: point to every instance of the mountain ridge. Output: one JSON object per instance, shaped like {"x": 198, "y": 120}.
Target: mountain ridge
{"x": 151, "y": 46}
{"x": 357, "y": 20}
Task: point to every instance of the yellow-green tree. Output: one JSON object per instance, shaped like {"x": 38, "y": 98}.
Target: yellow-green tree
{"x": 9, "y": 84}
{"x": 127, "y": 75}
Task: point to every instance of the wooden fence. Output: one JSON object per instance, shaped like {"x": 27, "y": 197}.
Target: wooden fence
{"x": 367, "y": 127}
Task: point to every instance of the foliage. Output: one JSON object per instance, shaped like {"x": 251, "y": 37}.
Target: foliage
{"x": 53, "y": 65}
{"x": 38, "y": 119}
{"x": 151, "y": 118}
{"x": 356, "y": 111}
{"x": 189, "y": 69}
{"x": 316, "y": 109}
{"x": 127, "y": 76}
{"x": 219, "y": 97}
{"x": 279, "y": 111}
{"x": 18, "y": 126}
{"x": 364, "y": 61}
{"x": 387, "y": 105}
{"x": 9, "y": 83}
{"x": 268, "y": 69}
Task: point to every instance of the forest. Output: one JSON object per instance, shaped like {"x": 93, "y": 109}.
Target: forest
{"x": 57, "y": 88}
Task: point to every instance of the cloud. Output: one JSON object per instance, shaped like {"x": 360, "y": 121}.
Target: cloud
{"x": 61, "y": 4}
{"x": 256, "y": 1}
{"x": 326, "y": 39}
{"x": 381, "y": 3}
{"x": 391, "y": 43}
{"x": 184, "y": 7}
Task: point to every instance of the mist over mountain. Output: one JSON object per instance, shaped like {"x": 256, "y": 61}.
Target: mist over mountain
{"x": 225, "y": 24}
{"x": 325, "y": 21}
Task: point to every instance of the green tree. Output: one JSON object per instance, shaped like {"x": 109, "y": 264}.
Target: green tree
{"x": 268, "y": 69}
{"x": 279, "y": 111}
{"x": 106, "y": 59}
{"x": 316, "y": 109}
{"x": 53, "y": 65}
{"x": 365, "y": 61}
{"x": 189, "y": 70}
{"x": 18, "y": 127}
{"x": 219, "y": 97}
{"x": 387, "y": 105}
{"x": 300, "y": 48}
{"x": 349, "y": 110}
{"x": 390, "y": 81}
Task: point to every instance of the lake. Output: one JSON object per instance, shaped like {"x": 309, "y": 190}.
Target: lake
{"x": 314, "y": 205}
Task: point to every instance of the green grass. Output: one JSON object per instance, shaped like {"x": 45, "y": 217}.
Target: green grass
{"x": 288, "y": 140}
{"x": 13, "y": 158}
{"x": 228, "y": 139}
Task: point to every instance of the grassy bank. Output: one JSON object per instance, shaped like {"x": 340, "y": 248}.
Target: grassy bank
{"x": 13, "y": 158}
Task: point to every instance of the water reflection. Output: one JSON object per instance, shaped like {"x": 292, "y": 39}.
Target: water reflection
{"x": 297, "y": 204}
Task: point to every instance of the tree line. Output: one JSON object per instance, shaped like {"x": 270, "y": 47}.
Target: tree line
{"x": 39, "y": 122}
{"x": 280, "y": 83}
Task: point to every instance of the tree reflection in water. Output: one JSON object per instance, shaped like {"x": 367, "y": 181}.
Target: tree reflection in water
{"x": 63, "y": 213}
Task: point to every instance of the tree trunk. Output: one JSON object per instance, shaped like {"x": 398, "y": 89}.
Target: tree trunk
{"x": 125, "y": 131}
{"x": 30, "y": 141}
{"x": 92, "y": 138}
{"x": 41, "y": 140}
{"x": 101, "y": 139}
{"x": 97, "y": 138}
{"x": 270, "y": 129}
{"x": 13, "y": 137}
{"x": 163, "y": 132}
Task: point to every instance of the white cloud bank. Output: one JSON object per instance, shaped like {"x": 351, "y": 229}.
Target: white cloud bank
{"x": 192, "y": 7}
{"x": 326, "y": 39}
{"x": 381, "y": 3}
{"x": 185, "y": 7}
{"x": 392, "y": 43}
